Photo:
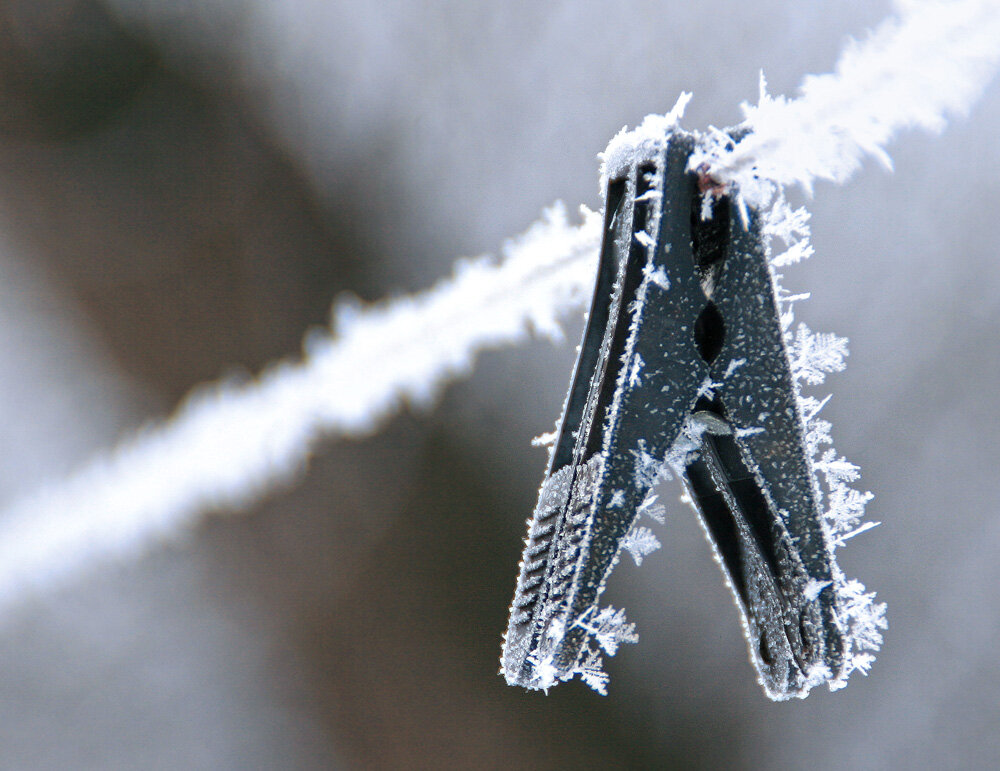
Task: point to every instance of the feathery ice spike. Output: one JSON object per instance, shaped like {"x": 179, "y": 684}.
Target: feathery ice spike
{"x": 683, "y": 367}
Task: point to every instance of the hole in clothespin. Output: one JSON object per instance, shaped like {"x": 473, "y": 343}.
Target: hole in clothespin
{"x": 709, "y": 332}
{"x": 709, "y": 244}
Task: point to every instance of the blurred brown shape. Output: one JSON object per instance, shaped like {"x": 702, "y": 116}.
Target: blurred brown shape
{"x": 66, "y": 67}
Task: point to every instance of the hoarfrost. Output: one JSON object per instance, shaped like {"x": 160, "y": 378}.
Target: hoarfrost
{"x": 734, "y": 365}
{"x": 644, "y": 239}
{"x": 812, "y": 356}
{"x": 612, "y": 629}
{"x": 659, "y": 277}
{"x": 591, "y": 671}
{"x": 648, "y": 468}
{"x": 652, "y": 509}
{"x": 686, "y": 446}
{"x": 606, "y": 631}
{"x": 707, "y": 388}
{"x": 814, "y": 587}
{"x": 545, "y": 440}
{"x": 803, "y": 250}
{"x": 640, "y": 543}
{"x": 635, "y": 371}
{"x": 650, "y": 136}
{"x": 932, "y": 60}
{"x": 810, "y": 407}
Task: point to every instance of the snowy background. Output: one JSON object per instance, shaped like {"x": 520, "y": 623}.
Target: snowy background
{"x": 185, "y": 187}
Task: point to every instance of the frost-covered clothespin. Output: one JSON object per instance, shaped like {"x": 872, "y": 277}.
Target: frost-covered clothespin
{"x": 683, "y": 368}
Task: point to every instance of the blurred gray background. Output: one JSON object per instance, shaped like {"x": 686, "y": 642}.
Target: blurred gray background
{"x": 184, "y": 189}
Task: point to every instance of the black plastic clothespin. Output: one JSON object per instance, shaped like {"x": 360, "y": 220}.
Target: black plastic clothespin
{"x": 682, "y": 365}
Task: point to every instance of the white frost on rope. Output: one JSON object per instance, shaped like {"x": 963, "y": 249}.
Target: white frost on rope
{"x": 228, "y": 445}
{"x": 931, "y": 61}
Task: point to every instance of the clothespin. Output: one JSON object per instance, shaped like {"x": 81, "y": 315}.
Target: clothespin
{"x": 683, "y": 367}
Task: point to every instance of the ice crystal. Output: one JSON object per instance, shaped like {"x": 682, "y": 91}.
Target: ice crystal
{"x": 648, "y": 468}
{"x": 606, "y": 631}
{"x": 652, "y": 509}
{"x": 813, "y": 355}
{"x": 591, "y": 671}
{"x": 640, "y": 542}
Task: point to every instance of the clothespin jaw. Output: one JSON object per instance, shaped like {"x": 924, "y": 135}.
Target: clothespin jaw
{"x": 682, "y": 369}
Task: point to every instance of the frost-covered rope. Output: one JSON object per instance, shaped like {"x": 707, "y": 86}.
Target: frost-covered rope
{"x": 227, "y": 445}
{"x": 928, "y": 63}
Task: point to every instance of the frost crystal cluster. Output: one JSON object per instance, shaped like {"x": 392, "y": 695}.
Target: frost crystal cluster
{"x": 812, "y": 356}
